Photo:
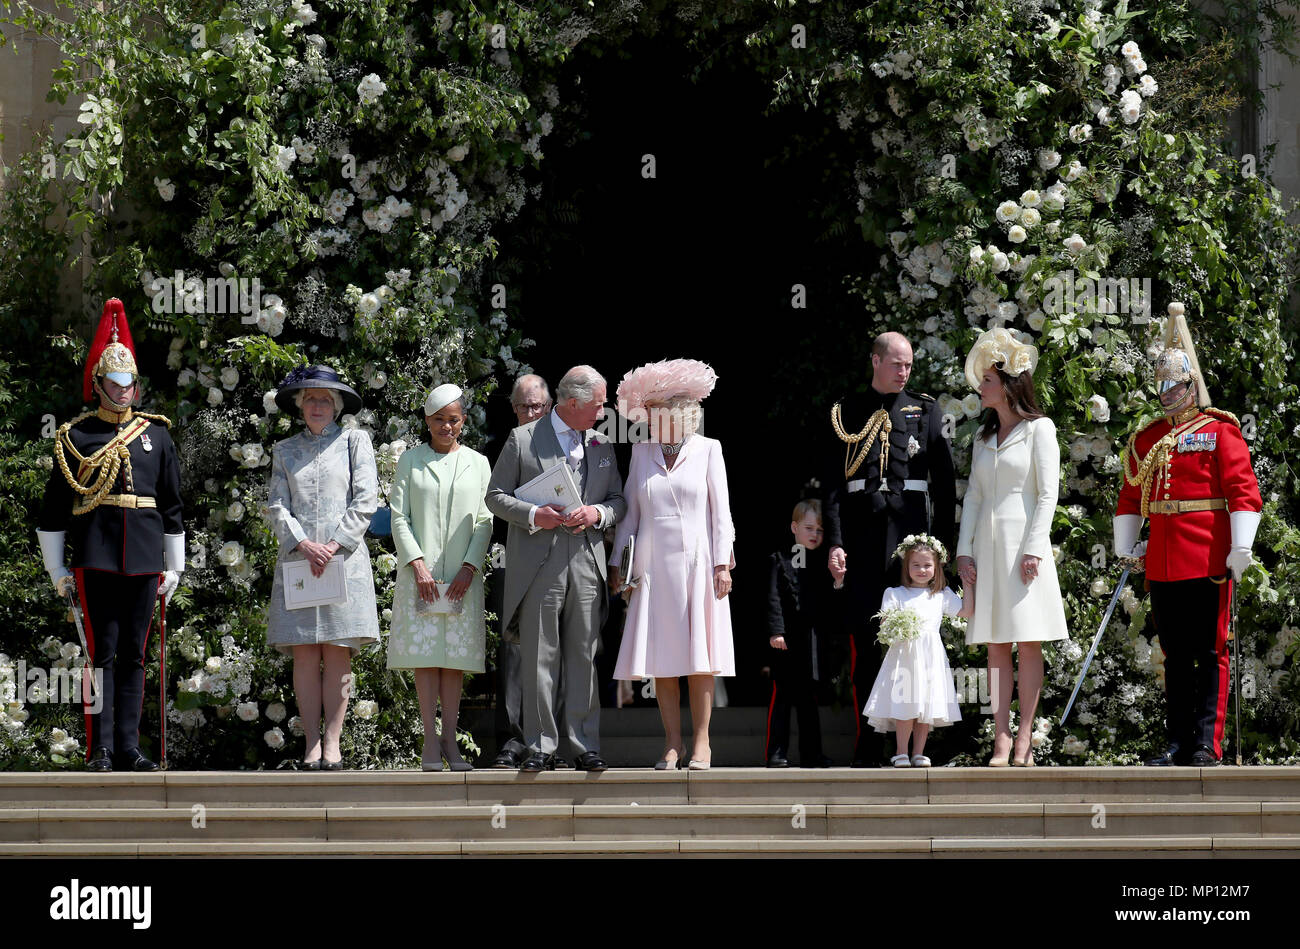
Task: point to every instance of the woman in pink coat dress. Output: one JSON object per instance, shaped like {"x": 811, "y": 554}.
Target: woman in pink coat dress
{"x": 678, "y": 618}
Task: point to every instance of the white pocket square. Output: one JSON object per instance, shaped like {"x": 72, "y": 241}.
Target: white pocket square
{"x": 604, "y": 463}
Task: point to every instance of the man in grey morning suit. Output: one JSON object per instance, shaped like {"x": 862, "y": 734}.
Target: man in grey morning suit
{"x": 555, "y": 567}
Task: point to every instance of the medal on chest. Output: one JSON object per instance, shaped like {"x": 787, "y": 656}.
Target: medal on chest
{"x": 145, "y": 443}
{"x": 1197, "y": 441}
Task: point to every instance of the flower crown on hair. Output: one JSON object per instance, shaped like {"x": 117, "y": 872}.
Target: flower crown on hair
{"x": 921, "y": 540}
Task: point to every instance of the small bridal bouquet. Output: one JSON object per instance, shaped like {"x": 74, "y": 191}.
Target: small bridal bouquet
{"x": 898, "y": 625}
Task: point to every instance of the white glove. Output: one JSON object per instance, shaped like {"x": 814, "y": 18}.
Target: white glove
{"x": 174, "y": 553}
{"x": 1244, "y": 525}
{"x": 171, "y": 579}
{"x": 1127, "y": 527}
{"x": 52, "y": 553}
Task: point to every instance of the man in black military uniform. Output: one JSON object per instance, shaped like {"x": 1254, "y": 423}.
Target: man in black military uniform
{"x": 896, "y": 478}
{"x": 114, "y": 495}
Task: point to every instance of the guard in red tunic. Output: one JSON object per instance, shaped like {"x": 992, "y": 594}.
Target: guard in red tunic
{"x": 114, "y": 496}
{"x": 1190, "y": 473}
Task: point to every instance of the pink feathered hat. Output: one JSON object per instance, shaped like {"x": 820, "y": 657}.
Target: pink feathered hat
{"x": 661, "y": 381}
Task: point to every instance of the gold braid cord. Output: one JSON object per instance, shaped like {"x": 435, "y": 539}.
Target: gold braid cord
{"x": 878, "y": 426}
{"x": 109, "y": 460}
{"x": 160, "y": 419}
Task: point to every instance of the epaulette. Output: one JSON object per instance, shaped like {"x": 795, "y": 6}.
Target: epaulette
{"x": 161, "y": 419}
{"x": 80, "y": 418}
{"x": 1222, "y": 414}
{"x": 925, "y": 396}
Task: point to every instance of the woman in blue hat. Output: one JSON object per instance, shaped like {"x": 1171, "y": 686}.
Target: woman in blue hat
{"x": 324, "y": 490}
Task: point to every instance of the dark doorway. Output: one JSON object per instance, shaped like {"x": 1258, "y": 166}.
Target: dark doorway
{"x": 617, "y": 270}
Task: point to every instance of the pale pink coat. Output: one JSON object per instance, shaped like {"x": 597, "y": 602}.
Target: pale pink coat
{"x": 682, "y": 523}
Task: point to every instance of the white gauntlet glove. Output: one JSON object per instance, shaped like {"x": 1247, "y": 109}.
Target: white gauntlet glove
{"x": 1127, "y": 527}
{"x": 52, "y": 553}
{"x": 1244, "y": 525}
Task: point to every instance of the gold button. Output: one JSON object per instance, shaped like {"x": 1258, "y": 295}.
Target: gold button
{"x": 1166, "y": 495}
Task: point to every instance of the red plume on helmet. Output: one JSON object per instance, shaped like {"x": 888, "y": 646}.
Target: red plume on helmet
{"x": 112, "y": 329}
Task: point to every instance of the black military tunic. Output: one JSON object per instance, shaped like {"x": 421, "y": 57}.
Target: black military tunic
{"x": 868, "y": 522}
{"x": 117, "y": 556}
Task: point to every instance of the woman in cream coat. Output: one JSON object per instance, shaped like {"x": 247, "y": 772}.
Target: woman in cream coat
{"x": 441, "y": 529}
{"x": 1005, "y": 522}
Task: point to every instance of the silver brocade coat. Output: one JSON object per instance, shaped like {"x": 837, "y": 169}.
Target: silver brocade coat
{"x": 324, "y": 487}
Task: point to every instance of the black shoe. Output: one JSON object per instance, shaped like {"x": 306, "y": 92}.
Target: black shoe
{"x": 1172, "y": 757}
{"x": 134, "y": 760}
{"x": 536, "y": 761}
{"x": 101, "y": 759}
{"x": 309, "y": 765}
{"x": 331, "y": 765}
{"x": 862, "y": 763}
{"x": 1203, "y": 757}
{"x": 778, "y": 760}
{"x": 590, "y": 761}
{"x": 820, "y": 761}
{"x": 506, "y": 759}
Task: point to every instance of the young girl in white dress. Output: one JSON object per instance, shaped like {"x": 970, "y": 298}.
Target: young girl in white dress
{"x": 914, "y": 689}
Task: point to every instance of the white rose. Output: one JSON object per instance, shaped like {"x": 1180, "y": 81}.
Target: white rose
{"x": 368, "y": 304}
{"x": 976, "y": 254}
{"x": 1030, "y": 199}
{"x": 1017, "y": 234}
{"x": 1000, "y": 262}
{"x": 458, "y": 152}
{"x": 1100, "y": 408}
{"x": 166, "y": 190}
{"x": 268, "y": 402}
{"x": 235, "y": 512}
{"x": 229, "y": 554}
{"x": 1008, "y": 211}
{"x": 1080, "y": 133}
{"x": 214, "y": 396}
{"x": 1130, "y": 50}
{"x": 274, "y": 739}
{"x": 1036, "y": 319}
{"x": 226, "y": 270}
{"x": 284, "y": 157}
{"x": 1048, "y": 159}
{"x": 971, "y": 405}
{"x": 247, "y": 711}
{"x": 251, "y": 454}
{"x": 1075, "y": 244}
{"x": 213, "y": 663}
{"x": 295, "y": 726}
{"x": 229, "y": 378}
{"x": 1074, "y": 170}
{"x": 1147, "y": 86}
{"x": 276, "y": 712}
{"x": 366, "y": 708}
{"x": 386, "y": 563}
{"x": 1007, "y": 311}
{"x": 379, "y": 380}
{"x": 1030, "y": 217}
{"x": 370, "y": 89}
{"x": 1131, "y": 113}
{"x": 1054, "y": 200}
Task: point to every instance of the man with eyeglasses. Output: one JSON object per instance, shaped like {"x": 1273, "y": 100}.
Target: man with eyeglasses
{"x": 531, "y": 399}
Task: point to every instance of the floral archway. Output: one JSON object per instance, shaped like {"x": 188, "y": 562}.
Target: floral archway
{"x": 275, "y": 183}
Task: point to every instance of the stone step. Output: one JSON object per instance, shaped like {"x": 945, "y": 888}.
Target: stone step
{"x": 570, "y": 822}
{"x": 644, "y": 786}
{"x": 1202, "y": 846}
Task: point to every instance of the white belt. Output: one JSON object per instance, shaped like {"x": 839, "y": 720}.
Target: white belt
{"x": 911, "y": 484}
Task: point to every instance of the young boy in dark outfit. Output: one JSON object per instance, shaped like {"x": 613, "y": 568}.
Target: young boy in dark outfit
{"x": 801, "y": 604}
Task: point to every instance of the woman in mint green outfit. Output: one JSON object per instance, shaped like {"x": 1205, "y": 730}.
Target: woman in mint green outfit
{"x": 441, "y": 528}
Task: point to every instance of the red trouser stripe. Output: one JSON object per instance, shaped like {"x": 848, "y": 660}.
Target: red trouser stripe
{"x": 1221, "y": 649}
{"x": 857, "y": 706}
{"x": 80, "y": 575}
{"x": 767, "y": 744}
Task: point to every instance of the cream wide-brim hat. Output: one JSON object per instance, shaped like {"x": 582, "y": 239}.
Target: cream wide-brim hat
{"x": 998, "y": 347}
